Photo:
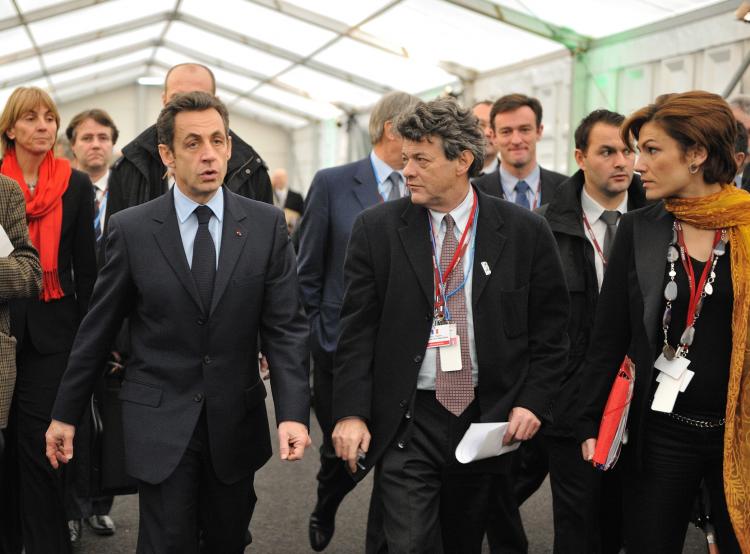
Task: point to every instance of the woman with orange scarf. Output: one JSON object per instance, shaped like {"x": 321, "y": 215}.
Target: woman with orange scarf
{"x": 675, "y": 299}
{"x": 59, "y": 211}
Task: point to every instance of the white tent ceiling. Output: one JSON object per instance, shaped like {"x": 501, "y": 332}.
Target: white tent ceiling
{"x": 291, "y": 62}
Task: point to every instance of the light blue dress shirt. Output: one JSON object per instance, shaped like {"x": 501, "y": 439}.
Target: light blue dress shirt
{"x": 188, "y": 221}
{"x": 509, "y": 183}
{"x": 428, "y": 370}
{"x": 382, "y": 172}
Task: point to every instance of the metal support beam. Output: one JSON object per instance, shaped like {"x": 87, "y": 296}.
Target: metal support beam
{"x": 520, "y": 20}
{"x": 45, "y": 13}
{"x": 578, "y": 100}
{"x": 737, "y": 76}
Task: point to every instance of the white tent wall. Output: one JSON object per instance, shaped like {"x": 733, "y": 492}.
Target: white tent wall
{"x": 134, "y": 108}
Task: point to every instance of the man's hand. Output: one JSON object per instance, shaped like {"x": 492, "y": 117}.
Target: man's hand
{"x": 265, "y": 373}
{"x": 350, "y": 437}
{"x": 59, "y": 439}
{"x": 522, "y": 425}
{"x": 293, "y": 439}
{"x": 588, "y": 447}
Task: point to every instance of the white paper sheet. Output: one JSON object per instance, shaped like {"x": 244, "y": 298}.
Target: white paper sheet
{"x": 6, "y": 247}
{"x": 483, "y": 440}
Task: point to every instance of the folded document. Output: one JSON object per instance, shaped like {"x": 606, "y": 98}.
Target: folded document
{"x": 483, "y": 440}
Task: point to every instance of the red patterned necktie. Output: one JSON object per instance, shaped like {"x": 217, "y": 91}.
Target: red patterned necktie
{"x": 454, "y": 389}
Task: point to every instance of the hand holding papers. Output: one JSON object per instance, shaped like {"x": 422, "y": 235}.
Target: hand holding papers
{"x": 6, "y": 247}
{"x": 483, "y": 440}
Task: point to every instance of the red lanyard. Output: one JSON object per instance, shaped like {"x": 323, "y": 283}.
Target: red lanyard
{"x": 687, "y": 263}
{"x": 596, "y": 242}
{"x": 440, "y": 279}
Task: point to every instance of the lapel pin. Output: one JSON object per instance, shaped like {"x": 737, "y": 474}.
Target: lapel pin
{"x": 486, "y": 268}
{"x": 238, "y": 233}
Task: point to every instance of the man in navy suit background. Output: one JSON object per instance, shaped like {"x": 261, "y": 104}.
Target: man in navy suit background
{"x": 336, "y": 196}
{"x": 200, "y": 272}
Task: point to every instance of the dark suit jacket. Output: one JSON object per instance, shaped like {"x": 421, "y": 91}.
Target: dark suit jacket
{"x": 520, "y": 315}
{"x": 294, "y": 201}
{"x": 549, "y": 181}
{"x": 184, "y": 360}
{"x": 628, "y": 318}
{"x": 51, "y": 326}
{"x": 337, "y": 195}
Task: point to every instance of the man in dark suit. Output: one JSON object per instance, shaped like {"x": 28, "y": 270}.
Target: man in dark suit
{"x": 517, "y": 127}
{"x": 337, "y": 195}
{"x": 283, "y": 197}
{"x": 200, "y": 272}
{"x": 583, "y": 216}
{"x": 492, "y": 272}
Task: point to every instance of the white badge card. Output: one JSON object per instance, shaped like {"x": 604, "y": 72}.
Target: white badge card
{"x": 6, "y": 247}
{"x": 675, "y": 367}
{"x": 440, "y": 335}
{"x": 450, "y": 356}
{"x": 683, "y": 383}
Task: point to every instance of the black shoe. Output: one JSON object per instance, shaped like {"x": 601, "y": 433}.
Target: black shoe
{"x": 101, "y": 525}
{"x": 74, "y": 528}
{"x": 323, "y": 521}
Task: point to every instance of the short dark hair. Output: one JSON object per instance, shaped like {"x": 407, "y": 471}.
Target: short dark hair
{"x": 100, "y": 116}
{"x": 187, "y": 102}
{"x": 511, "y": 102}
{"x": 583, "y": 132}
{"x": 456, "y": 126}
{"x": 740, "y": 145}
{"x": 694, "y": 119}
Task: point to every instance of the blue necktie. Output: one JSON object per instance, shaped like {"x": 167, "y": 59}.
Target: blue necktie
{"x": 522, "y": 187}
{"x": 203, "y": 267}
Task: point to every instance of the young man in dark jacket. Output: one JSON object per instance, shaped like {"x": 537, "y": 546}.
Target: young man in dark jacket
{"x": 583, "y": 216}
{"x": 139, "y": 175}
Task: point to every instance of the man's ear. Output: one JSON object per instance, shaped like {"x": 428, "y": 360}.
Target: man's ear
{"x": 465, "y": 159}
{"x": 167, "y": 157}
{"x": 579, "y": 157}
{"x": 229, "y": 146}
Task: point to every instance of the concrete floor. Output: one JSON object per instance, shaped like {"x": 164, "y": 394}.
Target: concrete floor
{"x": 286, "y": 496}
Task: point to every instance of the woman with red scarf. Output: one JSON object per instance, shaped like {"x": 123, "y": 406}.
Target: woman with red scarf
{"x": 676, "y": 299}
{"x": 59, "y": 211}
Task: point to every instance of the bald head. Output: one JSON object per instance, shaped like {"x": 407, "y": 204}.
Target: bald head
{"x": 188, "y": 77}
{"x": 279, "y": 179}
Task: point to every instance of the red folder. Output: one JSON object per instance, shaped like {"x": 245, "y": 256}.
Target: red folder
{"x": 614, "y": 420}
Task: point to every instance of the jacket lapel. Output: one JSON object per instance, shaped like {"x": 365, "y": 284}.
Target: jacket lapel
{"x": 651, "y": 235}
{"x": 489, "y": 244}
{"x": 548, "y": 189}
{"x": 170, "y": 242}
{"x": 416, "y": 241}
{"x": 233, "y": 237}
{"x": 366, "y": 186}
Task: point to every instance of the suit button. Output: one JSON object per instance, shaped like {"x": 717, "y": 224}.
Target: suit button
{"x": 206, "y": 360}
{"x": 407, "y": 415}
{"x": 401, "y": 445}
{"x": 198, "y": 397}
{"x": 418, "y": 359}
{"x": 402, "y": 403}
{"x": 200, "y": 321}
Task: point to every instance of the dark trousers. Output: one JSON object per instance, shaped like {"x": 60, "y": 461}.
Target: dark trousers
{"x": 659, "y": 498}
{"x": 419, "y": 471}
{"x": 193, "y": 500}
{"x": 333, "y": 479}
{"x": 33, "y": 493}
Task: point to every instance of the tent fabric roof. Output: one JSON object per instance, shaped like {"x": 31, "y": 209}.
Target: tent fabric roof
{"x": 292, "y": 62}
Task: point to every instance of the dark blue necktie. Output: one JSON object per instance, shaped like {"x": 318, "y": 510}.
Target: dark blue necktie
{"x": 521, "y": 199}
{"x": 204, "y": 257}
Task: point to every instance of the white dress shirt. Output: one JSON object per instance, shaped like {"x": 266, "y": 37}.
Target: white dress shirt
{"x": 533, "y": 179}
{"x": 427, "y": 372}
{"x": 382, "y": 171}
{"x": 593, "y": 211}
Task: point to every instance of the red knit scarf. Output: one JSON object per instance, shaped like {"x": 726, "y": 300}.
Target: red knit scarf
{"x": 44, "y": 212}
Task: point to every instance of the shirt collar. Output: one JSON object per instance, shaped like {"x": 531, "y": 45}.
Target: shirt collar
{"x": 594, "y": 210}
{"x": 101, "y": 184}
{"x": 184, "y": 206}
{"x": 510, "y": 180}
{"x": 381, "y": 169}
{"x": 492, "y": 167}
{"x": 460, "y": 213}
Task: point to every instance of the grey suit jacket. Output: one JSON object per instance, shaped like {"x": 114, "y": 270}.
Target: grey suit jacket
{"x": 185, "y": 360}
{"x": 20, "y": 277}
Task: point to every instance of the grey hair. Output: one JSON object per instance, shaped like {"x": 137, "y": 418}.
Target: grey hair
{"x": 389, "y": 108}
{"x": 188, "y": 102}
{"x": 740, "y": 101}
{"x": 456, "y": 126}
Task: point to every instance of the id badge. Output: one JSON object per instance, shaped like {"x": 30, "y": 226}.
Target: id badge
{"x": 675, "y": 367}
{"x": 440, "y": 334}
{"x": 450, "y": 356}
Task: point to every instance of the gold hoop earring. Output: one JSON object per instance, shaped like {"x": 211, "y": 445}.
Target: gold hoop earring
{"x": 693, "y": 169}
